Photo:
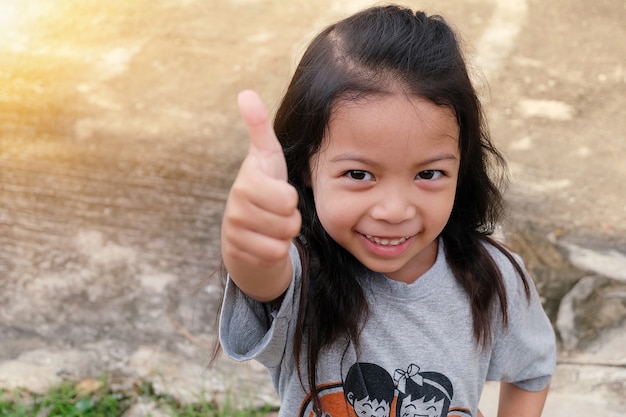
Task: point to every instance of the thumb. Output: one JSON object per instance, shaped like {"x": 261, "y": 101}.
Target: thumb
{"x": 263, "y": 141}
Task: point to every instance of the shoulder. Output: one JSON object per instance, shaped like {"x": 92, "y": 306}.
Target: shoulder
{"x": 514, "y": 274}
{"x": 506, "y": 260}
{"x": 523, "y": 299}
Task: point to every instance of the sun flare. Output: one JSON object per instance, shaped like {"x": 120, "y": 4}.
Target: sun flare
{"x": 8, "y": 14}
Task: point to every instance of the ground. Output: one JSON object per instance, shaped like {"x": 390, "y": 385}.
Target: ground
{"x": 119, "y": 137}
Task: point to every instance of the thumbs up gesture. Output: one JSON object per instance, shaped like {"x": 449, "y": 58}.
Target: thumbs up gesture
{"x": 261, "y": 217}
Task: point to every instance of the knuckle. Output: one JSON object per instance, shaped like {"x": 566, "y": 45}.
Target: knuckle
{"x": 271, "y": 255}
{"x": 293, "y": 196}
{"x": 238, "y": 191}
{"x": 231, "y": 219}
{"x": 232, "y": 252}
{"x": 294, "y": 224}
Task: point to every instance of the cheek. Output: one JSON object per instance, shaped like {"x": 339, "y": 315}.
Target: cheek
{"x": 442, "y": 204}
{"x": 334, "y": 213}
{"x": 325, "y": 207}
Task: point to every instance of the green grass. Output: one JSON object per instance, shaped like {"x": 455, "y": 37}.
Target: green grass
{"x": 71, "y": 400}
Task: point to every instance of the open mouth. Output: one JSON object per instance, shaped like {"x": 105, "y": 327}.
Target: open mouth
{"x": 386, "y": 241}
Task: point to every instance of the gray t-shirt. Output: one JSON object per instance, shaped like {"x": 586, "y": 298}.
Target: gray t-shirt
{"x": 417, "y": 353}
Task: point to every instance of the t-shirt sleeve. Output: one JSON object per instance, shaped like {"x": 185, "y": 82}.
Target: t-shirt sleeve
{"x": 249, "y": 329}
{"x": 525, "y": 351}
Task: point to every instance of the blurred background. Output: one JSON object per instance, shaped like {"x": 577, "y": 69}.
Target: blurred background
{"x": 119, "y": 138}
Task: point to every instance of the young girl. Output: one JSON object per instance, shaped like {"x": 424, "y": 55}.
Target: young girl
{"x": 357, "y": 231}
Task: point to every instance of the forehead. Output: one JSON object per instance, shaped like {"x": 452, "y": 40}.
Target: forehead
{"x": 394, "y": 120}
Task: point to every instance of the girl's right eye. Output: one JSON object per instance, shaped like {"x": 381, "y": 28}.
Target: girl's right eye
{"x": 359, "y": 175}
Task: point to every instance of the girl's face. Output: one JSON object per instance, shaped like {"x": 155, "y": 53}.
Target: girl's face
{"x": 384, "y": 181}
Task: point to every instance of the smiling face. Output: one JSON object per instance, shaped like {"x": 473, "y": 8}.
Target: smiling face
{"x": 384, "y": 180}
{"x": 370, "y": 408}
{"x": 421, "y": 408}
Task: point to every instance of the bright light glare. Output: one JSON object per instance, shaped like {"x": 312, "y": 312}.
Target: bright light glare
{"x": 8, "y": 14}
{"x": 18, "y": 15}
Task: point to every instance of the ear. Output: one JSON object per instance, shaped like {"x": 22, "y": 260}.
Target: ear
{"x": 350, "y": 398}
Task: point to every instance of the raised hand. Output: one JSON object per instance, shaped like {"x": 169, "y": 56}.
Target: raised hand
{"x": 261, "y": 217}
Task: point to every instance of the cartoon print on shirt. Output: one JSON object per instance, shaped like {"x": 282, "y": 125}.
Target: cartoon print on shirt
{"x": 422, "y": 394}
{"x": 368, "y": 390}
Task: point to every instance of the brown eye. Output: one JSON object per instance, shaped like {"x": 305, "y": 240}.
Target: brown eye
{"x": 430, "y": 174}
{"x": 359, "y": 175}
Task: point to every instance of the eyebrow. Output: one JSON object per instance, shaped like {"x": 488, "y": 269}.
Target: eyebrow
{"x": 352, "y": 157}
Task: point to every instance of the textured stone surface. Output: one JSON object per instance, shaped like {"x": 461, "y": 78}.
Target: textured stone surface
{"x": 119, "y": 137}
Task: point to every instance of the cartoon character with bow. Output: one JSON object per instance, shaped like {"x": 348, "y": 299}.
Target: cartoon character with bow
{"x": 422, "y": 394}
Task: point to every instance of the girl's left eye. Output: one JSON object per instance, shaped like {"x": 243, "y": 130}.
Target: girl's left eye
{"x": 359, "y": 175}
{"x": 430, "y": 174}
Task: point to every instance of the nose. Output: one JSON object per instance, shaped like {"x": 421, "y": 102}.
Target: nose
{"x": 394, "y": 204}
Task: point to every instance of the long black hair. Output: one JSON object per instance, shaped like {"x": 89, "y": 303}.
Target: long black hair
{"x": 372, "y": 52}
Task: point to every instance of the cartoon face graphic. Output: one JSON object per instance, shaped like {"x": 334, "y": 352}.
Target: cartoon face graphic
{"x": 367, "y": 408}
{"x": 369, "y": 389}
{"x": 421, "y": 408}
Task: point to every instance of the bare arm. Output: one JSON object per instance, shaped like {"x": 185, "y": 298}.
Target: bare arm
{"x": 516, "y": 402}
{"x": 261, "y": 216}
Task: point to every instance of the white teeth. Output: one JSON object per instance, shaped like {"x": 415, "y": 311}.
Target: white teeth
{"x": 386, "y": 242}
